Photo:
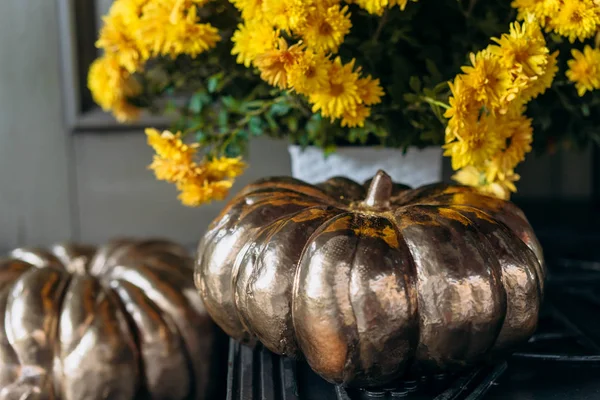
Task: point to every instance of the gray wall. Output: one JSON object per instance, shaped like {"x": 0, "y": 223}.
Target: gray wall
{"x": 35, "y": 191}
{"x": 117, "y": 195}
{"x": 92, "y": 185}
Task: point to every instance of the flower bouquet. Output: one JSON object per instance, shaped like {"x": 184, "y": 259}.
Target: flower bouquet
{"x": 467, "y": 75}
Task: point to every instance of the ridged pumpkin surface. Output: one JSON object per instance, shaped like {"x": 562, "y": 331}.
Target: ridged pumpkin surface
{"x": 369, "y": 281}
{"x": 119, "y": 322}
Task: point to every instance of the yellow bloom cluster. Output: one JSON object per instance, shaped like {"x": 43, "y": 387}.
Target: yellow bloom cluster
{"x": 584, "y": 69}
{"x": 309, "y": 67}
{"x": 488, "y": 133}
{"x": 198, "y": 183}
{"x": 575, "y": 19}
{"x": 135, "y": 31}
{"x": 379, "y": 6}
{"x": 111, "y": 85}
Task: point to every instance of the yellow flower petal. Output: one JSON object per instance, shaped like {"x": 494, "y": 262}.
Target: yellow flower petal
{"x": 584, "y": 69}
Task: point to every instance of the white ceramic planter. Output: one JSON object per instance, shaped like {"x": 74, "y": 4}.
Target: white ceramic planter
{"x": 415, "y": 168}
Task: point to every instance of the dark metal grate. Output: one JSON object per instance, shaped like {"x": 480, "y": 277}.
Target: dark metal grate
{"x": 561, "y": 361}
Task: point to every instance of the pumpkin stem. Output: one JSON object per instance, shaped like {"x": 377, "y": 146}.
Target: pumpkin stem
{"x": 380, "y": 191}
{"x": 77, "y": 266}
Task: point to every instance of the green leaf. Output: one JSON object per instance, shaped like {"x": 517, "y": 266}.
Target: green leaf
{"x": 358, "y": 134}
{"x": 329, "y": 149}
{"x": 428, "y": 135}
{"x": 251, "y": 105}
{"x": 314, "y": 125}
{"x": 381, "y": 132}
{"x": 213, "y": 82}
{"x": 198, "y": 101}
{"x": 196, "y": 104}
{"x": 200, "y": 136}
{"x": 441, "y": 87}
{"x": 231, "y": 103}
{"x": 233, "y": 149}
{"x": 171, "y": 107}
{"x": 255, "y": 125}
{"x": 280, "y": 109}
{"x": 415, "y": 84}
{"x": 242, "y": 134}
{"x": 272, "y": 123}
{"x": 292, "y": 124}
{"x": 411, "y": 98}
{"x": 585, "y": 109}
{"x": 433, "y": 70}
{"x": 223, "y": 118}
{"x": 353, "y": 134}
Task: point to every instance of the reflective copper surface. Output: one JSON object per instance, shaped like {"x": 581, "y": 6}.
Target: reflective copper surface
{"x": 370, "y": 281}
{"x": 119, "y": 322}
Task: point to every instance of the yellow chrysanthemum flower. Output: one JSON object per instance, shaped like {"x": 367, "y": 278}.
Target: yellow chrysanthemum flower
{"x": 487, "y": 133}
{"x": 577, "y": 19}
{"x": 169, "y": 28}
{"x": 400, "y": 3}
{"x": 273, "y": 64}
{"x": 356, "y": 117}
{"x": 584, "y": 69}
{"x": 170, "y": 145}
{"x": 181, "y": 7}
{"x": 125, "y": 112}
{"x": 128, "y": 10}
{"x": 542, "y": 10}
{"x": 224, "y": 167}
{"x": 379, "y": 6}
{"x": 251, "y": 9}
{"x": 519, "y": 133}
{"x": 190, "y": 38}
{"x": 341, "y": 95}
{"x": 118, "y": 37}
{"x": 463, "y": 105}
{"x": 476, "y": 142}
{"x": 523, "y": 49}
{"x": 198, "y": 183}
{"x": 288, "y": 14}
{"x": 174, "y": 160}
{"x": 471, "y": 176}
{"x": 110, "y": 83}
{"x": 370, "y": 90}
{"x": 196, "y": 192}
{"x": 488, "y": 77}
{"x": 502, "y": 188}
{"x": 543, "y": 82}
{"x": 309, "y": 73}
{"x": 106, "y": 79}
{"x": 251, "y": 39}
{"x": 325, "y": 29}
{"x": 172, "y": 171}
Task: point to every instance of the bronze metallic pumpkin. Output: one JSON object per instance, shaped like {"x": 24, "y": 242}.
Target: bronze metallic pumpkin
{"x": 80, "y": 323}
{"x": 370, "y": 281}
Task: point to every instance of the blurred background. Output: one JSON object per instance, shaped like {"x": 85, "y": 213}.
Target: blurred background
{"x": 69, "y": 171}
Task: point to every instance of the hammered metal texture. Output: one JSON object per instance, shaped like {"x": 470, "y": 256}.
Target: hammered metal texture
{"x": 560, "y": 361}
{"x": 119, "y": 322}
{"x": 368, "y": 282}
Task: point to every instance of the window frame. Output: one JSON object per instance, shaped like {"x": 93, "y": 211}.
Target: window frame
{"x": 78, "y": 29}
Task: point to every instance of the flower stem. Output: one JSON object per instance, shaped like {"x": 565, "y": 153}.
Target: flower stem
{"x": 382, "y": 23}
{"x": 436, "y": 102}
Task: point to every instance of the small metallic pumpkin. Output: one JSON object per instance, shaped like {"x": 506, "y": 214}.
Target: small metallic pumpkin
{"x": 369, "y": 282}
{"x": 80, "y": 323}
